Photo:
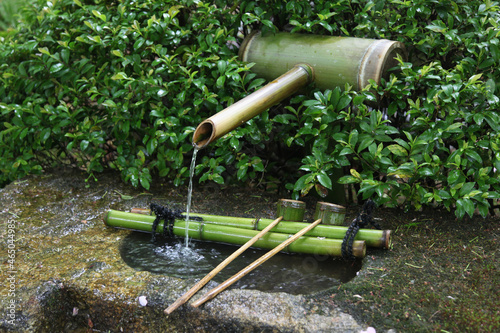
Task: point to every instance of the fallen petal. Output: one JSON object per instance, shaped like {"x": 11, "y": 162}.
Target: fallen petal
{"x": 143, "y": 301}
{"x": 369, "y": 330}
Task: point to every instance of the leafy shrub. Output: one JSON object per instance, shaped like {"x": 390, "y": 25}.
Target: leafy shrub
{"x": 98, "y": 84}
{"x": 433, "y": 139}
{"x": 9, "y": 10}
{"x": 122, "y": 85}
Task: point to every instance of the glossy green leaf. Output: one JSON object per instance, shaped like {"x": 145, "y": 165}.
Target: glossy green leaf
{"x": 397, "y": 150}
{"x": 325, "y": 180}
{"x": 56, "y": 68}
{"x": 109, "y": 103}
{"x": 162, "y": 92}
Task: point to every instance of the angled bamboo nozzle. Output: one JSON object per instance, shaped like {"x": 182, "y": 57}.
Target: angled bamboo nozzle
{"x": 238, "y": 113}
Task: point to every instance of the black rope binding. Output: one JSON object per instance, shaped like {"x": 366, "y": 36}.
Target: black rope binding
{"x": 168, "y": 216}
{"x": 364, "y": 218}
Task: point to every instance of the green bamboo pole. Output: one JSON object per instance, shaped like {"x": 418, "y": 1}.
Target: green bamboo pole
{"x": 372, "y": 237}
{"x": 232, "y": 235}
{"x": 238, "y": 113}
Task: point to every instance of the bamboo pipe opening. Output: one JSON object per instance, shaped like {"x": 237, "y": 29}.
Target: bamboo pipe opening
{"x": 359, "y": 249}
{"x": 386, "y": 236}
{"x": 204, "y": 134}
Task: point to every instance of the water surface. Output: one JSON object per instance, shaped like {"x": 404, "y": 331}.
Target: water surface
{"x": 291, "y": 273}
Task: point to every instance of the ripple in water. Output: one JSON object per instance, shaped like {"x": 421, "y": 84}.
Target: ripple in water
{"x": 291, "y": 273}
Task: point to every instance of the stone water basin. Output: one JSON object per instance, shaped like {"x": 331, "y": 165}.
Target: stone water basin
{"x": 70, "y": 276}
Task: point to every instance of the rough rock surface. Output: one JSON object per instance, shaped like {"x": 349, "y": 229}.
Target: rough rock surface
{"x": 67, "y": 274}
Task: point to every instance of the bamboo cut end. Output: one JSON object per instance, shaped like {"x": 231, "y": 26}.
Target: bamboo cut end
{"x": 387, "y": 240}
{"x": 171, "y": 308}
{"x": 204, "y": 134}
{"x": 244, "y": 48}
{"x": 330, "y": 213}
{"x": 105, "y": 218}
{"x": 379, "y": 58}
{"x": 359, "y": 249}
{"x": 291, "y": 210}
{"x": 308, "y": 69}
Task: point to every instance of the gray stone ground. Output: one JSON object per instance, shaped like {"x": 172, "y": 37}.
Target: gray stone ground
{"x": 67, "y": 274}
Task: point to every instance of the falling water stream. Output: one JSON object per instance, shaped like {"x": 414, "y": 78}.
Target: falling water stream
{"x": 190, "y": 193}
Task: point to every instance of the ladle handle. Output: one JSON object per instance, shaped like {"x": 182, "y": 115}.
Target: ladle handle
{"x": 214, "y": 292}
{"x": 184, "y": 298}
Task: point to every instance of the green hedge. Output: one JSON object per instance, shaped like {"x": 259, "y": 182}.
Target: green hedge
{"x": 123, "y": 84}
{"x": 9, "y": 10}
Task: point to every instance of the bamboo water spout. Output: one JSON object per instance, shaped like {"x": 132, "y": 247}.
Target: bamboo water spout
{"x": 300, "y": 59}
{"x": 237, "y": 114}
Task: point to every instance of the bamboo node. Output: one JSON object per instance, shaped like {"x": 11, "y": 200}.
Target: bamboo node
{"x": 200, "y": 230}
{"x": 256, "y": 223}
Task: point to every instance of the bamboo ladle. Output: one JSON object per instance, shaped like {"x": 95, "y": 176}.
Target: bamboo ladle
{"x": 184, "y": 298}
{"x": 214, "y": 292}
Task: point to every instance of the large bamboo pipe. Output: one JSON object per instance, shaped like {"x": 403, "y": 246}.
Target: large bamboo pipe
{"x": 372, "y": 237}
{"x": 231, "y": 235}
{"x": 335, "y": 60}
{"x": 238, "y": 113}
